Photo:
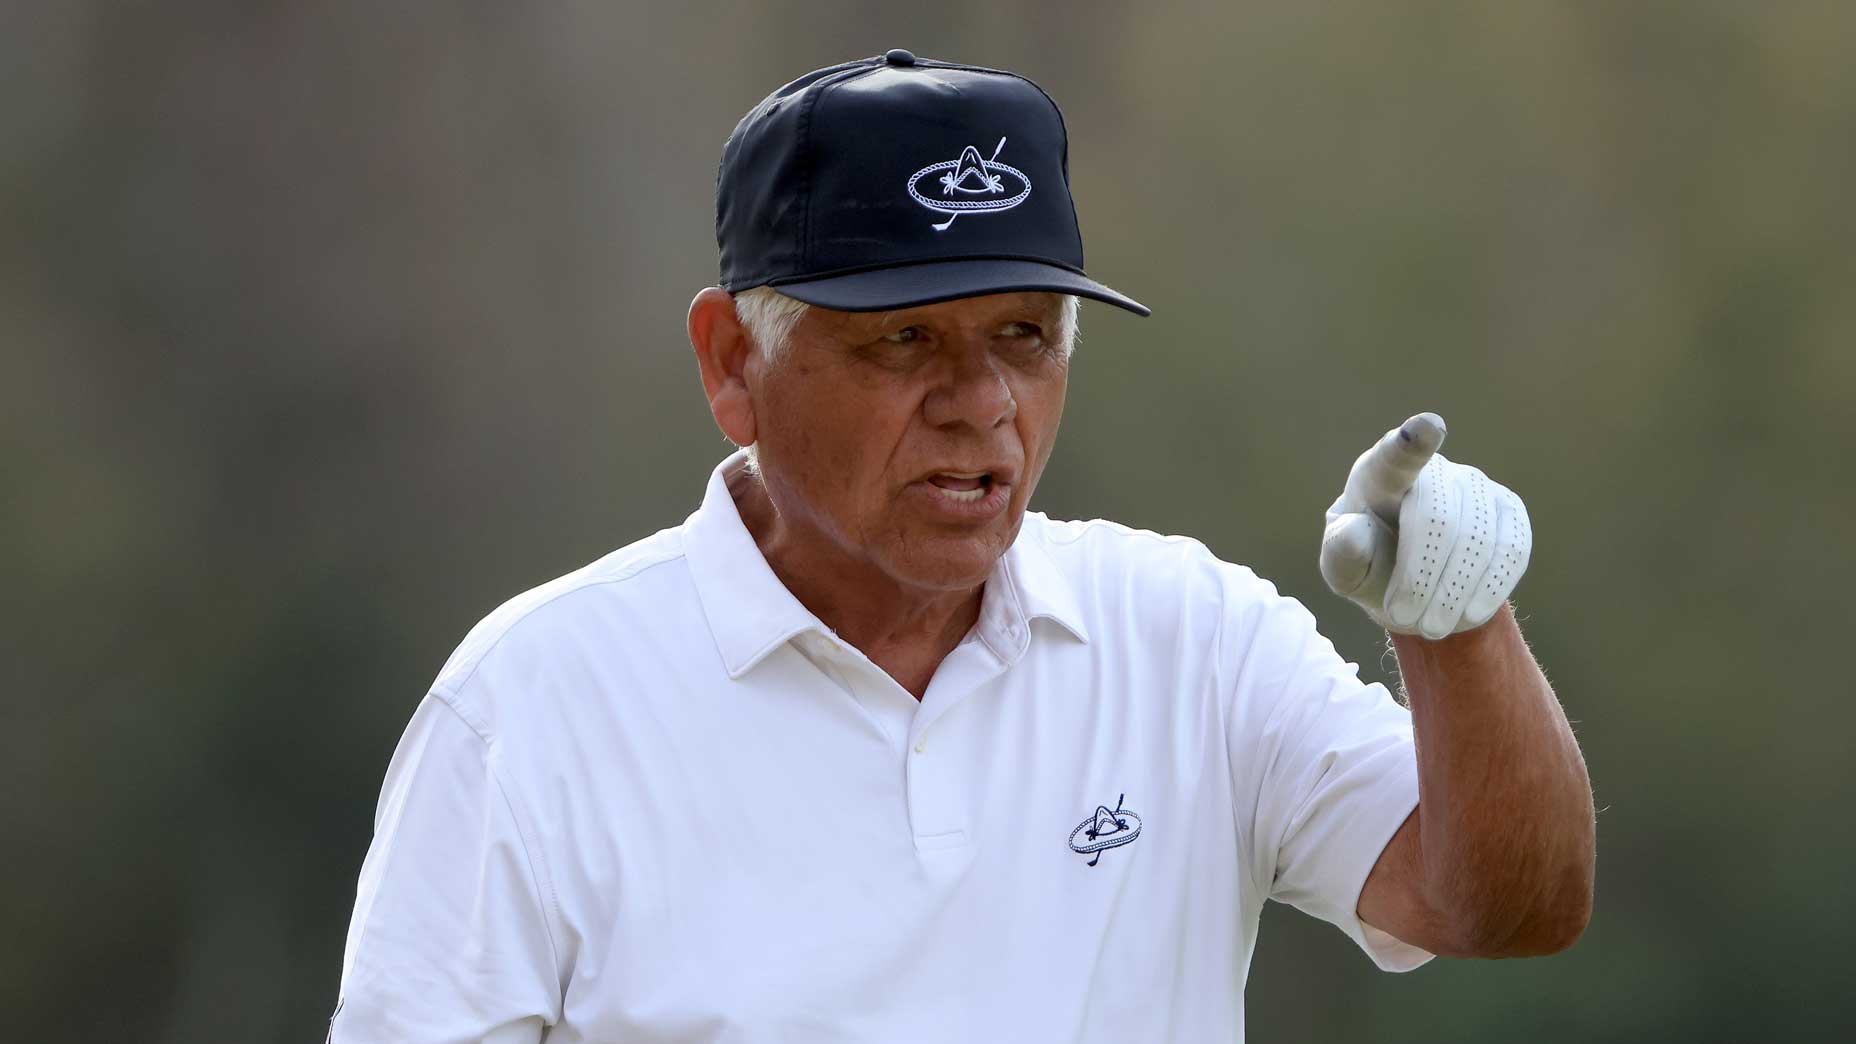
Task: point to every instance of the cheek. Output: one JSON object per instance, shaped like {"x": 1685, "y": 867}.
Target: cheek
{"x": 1040, "y": 409}
{"x": 834, "y": 438}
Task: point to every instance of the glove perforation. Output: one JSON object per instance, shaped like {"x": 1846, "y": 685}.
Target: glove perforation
{"x": 1471, "y": 537}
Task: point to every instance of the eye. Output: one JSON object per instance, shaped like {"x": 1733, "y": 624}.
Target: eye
{"x": 1022, "y": 342}
{"x": 906, "y": 335}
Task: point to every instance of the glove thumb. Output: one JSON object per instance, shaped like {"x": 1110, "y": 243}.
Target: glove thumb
{"x": 1357, "y": 555}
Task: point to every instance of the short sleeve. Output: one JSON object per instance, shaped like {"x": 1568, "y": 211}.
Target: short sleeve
{"x": 1327, "y": 763}
{"x": 450, "y": 940}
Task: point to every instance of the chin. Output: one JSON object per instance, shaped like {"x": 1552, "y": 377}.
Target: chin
{"x": 949, "y": 563}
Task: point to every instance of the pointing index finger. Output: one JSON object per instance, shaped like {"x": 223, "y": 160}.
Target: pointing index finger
{"x": 1384, "y": 473}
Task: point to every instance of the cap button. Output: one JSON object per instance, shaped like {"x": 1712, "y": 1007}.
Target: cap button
{"x": 898, "y": 56}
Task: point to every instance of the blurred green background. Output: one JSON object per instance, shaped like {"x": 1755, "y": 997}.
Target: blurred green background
{"x": 328, "y": 326}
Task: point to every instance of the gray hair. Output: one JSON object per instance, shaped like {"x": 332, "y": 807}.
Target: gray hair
{"x": 770, "y": 317}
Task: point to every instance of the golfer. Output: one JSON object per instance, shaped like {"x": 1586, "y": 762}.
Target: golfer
{"x": 865, "y": 750}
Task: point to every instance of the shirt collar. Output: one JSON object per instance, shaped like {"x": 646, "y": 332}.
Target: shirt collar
{"x": 1037, "y": 583}
{"x": 751, "y": 613}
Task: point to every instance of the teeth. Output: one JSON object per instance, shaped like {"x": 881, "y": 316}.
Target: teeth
{"x": 965, "y": 495}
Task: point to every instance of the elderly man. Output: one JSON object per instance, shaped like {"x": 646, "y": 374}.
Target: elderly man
{"x": 867, "y": 751}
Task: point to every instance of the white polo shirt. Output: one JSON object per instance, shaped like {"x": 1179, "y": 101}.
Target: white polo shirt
{"x": 658, "y": 800}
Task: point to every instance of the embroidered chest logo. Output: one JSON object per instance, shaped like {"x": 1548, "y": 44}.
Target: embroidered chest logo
{"x": 1108, "y": 828}
{"x": 971, "y": 184}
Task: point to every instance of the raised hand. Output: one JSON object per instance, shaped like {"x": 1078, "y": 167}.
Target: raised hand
{"x": 1425, "y": 545}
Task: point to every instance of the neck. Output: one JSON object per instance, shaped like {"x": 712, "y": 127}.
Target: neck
{"x": 905, "y": 630}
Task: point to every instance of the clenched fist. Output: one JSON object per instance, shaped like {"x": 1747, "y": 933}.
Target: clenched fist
{"x": 1425, "y": 545}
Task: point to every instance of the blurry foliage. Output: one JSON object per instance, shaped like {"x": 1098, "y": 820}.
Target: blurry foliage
{"x": 326, "y": 327}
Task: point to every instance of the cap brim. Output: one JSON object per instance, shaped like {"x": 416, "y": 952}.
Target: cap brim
{"x": 930, "y": 282}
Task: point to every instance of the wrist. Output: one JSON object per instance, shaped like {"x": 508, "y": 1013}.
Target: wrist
{"x": 1461, "y": 642}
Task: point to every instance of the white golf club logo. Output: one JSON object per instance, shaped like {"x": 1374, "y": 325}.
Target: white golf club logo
{"x": 1002, "y": 186}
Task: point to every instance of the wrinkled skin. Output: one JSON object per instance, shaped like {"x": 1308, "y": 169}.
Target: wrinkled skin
{"x": 857, "y": 424}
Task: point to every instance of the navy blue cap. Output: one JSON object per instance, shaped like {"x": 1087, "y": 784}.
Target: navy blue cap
{"x": 898, "y": 181}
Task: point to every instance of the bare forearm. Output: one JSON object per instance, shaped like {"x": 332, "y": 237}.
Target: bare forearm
{"x": 1504, "y": 829}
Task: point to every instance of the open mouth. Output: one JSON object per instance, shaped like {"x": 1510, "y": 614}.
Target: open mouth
{"x": 963, "y": 487}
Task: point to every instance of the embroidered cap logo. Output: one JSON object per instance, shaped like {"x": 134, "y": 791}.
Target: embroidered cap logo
{"x": 971, "y": 184}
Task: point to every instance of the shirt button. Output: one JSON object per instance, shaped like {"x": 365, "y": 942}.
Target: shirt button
{"x": 921, "y": 747}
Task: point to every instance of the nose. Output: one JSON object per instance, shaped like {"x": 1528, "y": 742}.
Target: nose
{"x": 972, "y": 391}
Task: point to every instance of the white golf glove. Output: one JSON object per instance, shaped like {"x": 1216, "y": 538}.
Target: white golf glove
{"x": 1425, "y": 545}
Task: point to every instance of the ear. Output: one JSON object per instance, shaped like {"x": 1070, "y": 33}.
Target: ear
{"x": 723, "y": 351}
